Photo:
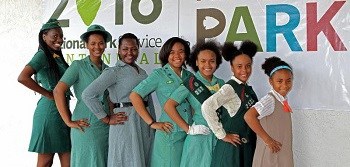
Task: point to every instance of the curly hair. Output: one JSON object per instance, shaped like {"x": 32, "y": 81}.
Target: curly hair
{"x": 200, "y": 46}
{"x": 230, "y": 50}
{"x": 271, "y": 63}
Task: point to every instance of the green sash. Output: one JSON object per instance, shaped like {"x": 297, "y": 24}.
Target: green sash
{"x": 199, "y": 91}
{"x": 197, "y": 88}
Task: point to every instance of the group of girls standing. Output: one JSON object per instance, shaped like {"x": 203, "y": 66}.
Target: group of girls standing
{"x": 203, "y": 121}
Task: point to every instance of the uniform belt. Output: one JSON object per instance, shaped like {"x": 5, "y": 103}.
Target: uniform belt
{"x": 127, "y": 104}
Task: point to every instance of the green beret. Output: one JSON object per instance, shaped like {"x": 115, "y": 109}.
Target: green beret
{"x": 96, "y": 28}
{"x": 52, "y": 23}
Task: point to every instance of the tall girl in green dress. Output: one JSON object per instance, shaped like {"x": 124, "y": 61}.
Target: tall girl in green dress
{"x": 236, "y": 143}
{"x": 89, "y": 134}
{"x": 169, "y": 137}
{"x": 199, "y": 144}
{"x": 49, "y": 133}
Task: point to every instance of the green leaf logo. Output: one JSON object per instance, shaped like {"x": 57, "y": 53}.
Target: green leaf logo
{"x": 88, "y": 9}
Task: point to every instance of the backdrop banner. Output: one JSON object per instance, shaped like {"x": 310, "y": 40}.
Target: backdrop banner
{"x": 313, "y": 36}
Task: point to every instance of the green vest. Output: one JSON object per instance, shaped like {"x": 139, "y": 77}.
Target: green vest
{"x": 226, "y": 154}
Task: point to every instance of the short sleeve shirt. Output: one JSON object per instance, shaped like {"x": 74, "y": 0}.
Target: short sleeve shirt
{"x": 41, "y": 66}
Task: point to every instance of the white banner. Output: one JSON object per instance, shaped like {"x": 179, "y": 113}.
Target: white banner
{"x": 312, "y": 36}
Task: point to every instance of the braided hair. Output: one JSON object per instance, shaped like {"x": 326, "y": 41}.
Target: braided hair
{"x": 53, "y": 67}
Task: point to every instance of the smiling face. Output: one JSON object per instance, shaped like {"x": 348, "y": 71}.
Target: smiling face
{"x": 53, "y": 38}
{"x": 96, "y": 45}
{"x": 282, "y": 81}
{"x": 177, "y": 56}
{"x": 206, "y": 63}
{"x": 241, "y": 66}
{"x": 128, "y": 51}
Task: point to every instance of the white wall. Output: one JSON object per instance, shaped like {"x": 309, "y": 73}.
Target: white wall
{"x": 19, "y": 25}
{"x": 321, "y": 138}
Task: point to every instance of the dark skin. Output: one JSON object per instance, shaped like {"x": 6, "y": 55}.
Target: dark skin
{"x": 176, "y": 59}
{"x": 96, "y": 46}
{"x": 206, "y": 63}
{"x": 282, "y": 82}
{"x": 54, "y": 39}
{"x": 241, "y": 67}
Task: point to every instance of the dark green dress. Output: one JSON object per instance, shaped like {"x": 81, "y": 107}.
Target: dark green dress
{"x": 226, "y": 154}
{"x": 49, "y": 133}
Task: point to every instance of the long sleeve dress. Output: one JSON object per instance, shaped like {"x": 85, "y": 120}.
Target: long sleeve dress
{"x": 236, "y": 98}
{"x": 130, "y": 143}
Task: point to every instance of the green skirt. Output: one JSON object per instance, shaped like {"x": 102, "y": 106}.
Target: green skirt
{"x": 49, "y": 133}
{"x": 227, "y": 155}
{"x": 198, "y": 150}
{"x": 167, "y": 149}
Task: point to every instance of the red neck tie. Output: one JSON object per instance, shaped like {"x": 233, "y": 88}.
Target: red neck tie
{"x": 286, "y": 106}
{"x": 242, "y": 94}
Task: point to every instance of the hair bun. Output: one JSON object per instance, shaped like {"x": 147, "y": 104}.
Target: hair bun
{"x": 227, "y": 50}
{"x": 271, "y": 63}
{"x": 249, "y": 48}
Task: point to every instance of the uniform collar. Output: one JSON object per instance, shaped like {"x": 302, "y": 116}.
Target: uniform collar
{"x": 278, "y": 96}
{"x": 168, "y": 67}
{"x": 214, "y": 80}
{"x": 88, "y": 60}
{"x": 122, "y": 64}
{"x": 237, "y": 80}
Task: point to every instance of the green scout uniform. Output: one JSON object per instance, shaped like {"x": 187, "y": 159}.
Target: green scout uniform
{"x": 198, "y": 149}
{"x": 167, "y": 148}
{"x": 226, "y": 154}
{"x": 89, "y": 148}
{"x": 49, "y": 134}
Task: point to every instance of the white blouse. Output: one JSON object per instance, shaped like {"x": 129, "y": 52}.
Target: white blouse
{"x": 226, "y": 97}
{"x": 266, "y": 105}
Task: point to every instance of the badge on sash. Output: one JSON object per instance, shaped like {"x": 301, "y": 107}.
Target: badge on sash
{"x": 199, "y": 91}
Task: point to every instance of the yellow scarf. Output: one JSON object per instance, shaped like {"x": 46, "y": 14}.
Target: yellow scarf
{"x": 215, "y": 87}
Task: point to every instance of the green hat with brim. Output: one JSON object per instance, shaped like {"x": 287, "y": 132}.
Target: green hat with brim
{"x": 52, "y": 23}
{"x": 96, "y": 28}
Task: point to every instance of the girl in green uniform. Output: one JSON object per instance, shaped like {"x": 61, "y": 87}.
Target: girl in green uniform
{"x": 49, "y": 134}
{"x": 169, "y": 137}
{"x": 199, "y": 144}
{"x": 89, "y": 134}
{"x": 236, "y": 143}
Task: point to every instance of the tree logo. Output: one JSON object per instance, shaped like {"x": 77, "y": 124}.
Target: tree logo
{"x": 88, "y": 9}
